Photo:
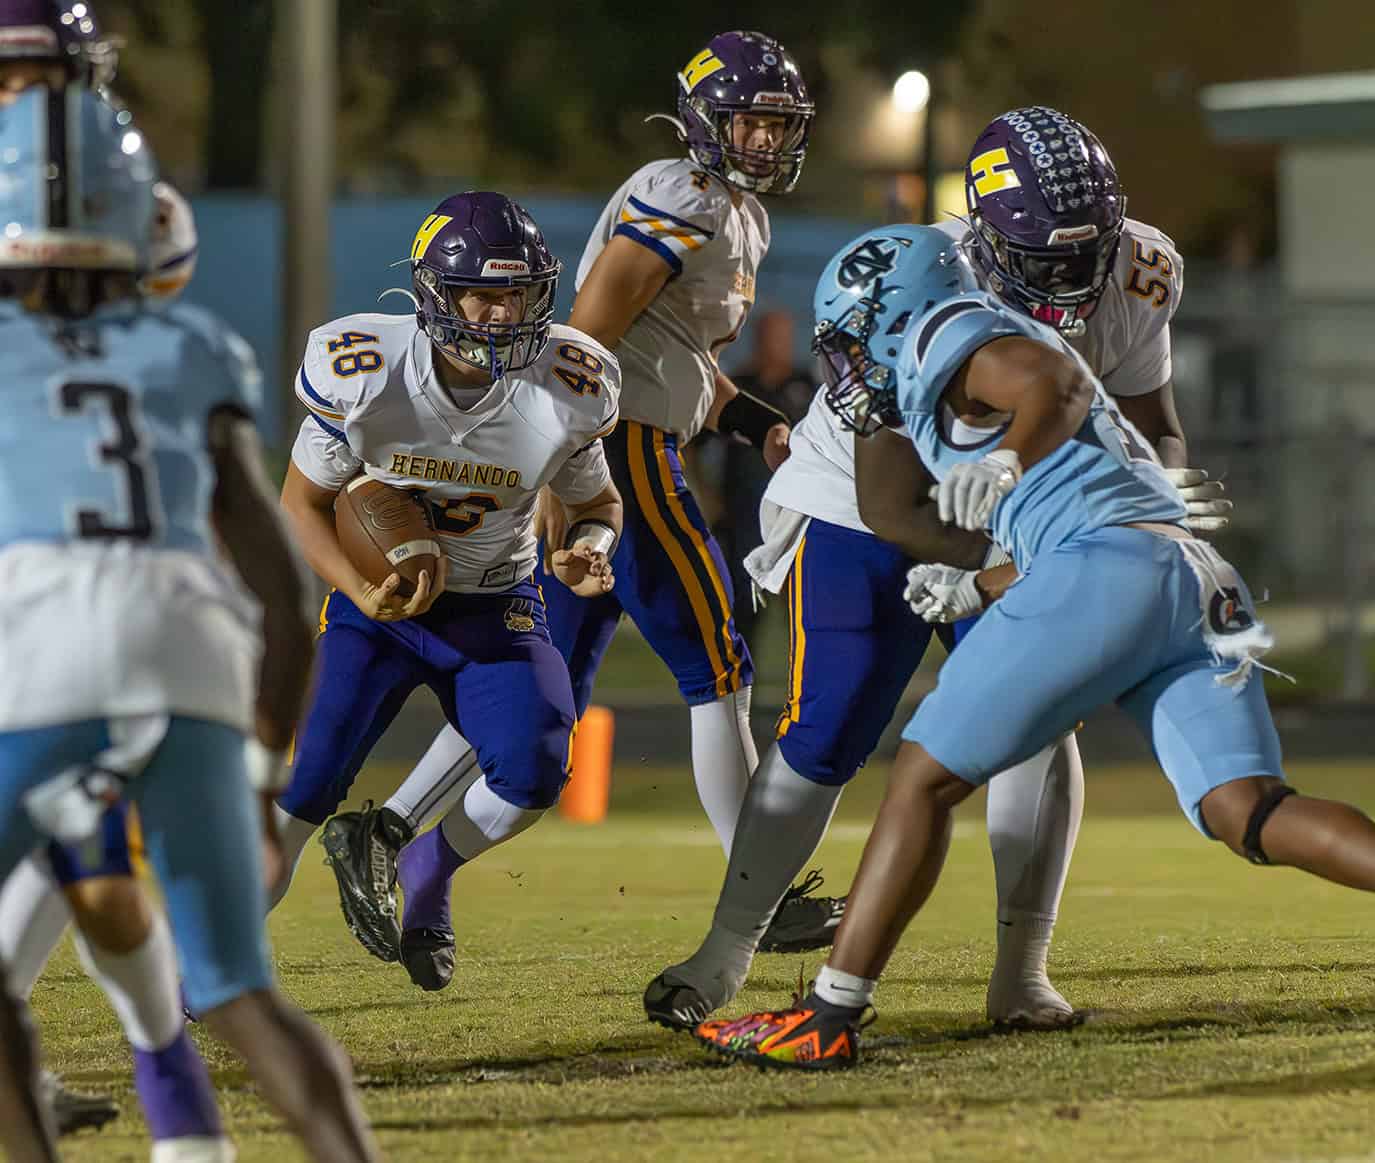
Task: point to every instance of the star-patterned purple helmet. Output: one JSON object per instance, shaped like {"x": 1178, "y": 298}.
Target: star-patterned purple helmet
{"x": 62, "y": 31}
{"x": 744, "y": 112}
{"x": 1047, "y": 210}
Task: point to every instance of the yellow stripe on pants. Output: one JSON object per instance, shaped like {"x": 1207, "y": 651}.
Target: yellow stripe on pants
{"x": 704, "y": 552}
{"x": 797, "y": 644}
{"x": 697, "y": 597}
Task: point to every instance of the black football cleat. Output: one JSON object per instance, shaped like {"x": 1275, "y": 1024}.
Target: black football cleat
{"x": 428, "y": 955}
{"x": 804, "y": 922}
{"x": 74, "y": 1111}
{"x": 675, "y": 1005}
{"x": 360, "y": 852}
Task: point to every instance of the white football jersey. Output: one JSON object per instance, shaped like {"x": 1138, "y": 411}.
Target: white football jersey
{"x": 107, "y": 628}
{"x": 1126, "y": 343}
{"x": 376, "y": 406}
{"x": 714, "y": 247}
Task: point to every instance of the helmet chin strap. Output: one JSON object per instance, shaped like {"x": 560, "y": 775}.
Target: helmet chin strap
{"x": 1053, "y": 316}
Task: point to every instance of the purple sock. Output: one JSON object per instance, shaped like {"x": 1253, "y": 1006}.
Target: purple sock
{"x": 424, "y": 869}
{"x": 175, "y": 1090}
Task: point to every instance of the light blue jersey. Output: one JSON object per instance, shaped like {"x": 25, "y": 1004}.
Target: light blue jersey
{"x": 1107, "y": 474}
{"x": 1103, "y": 612}
{"x": 103, "y": 434}
{"x": 129, "y": 655}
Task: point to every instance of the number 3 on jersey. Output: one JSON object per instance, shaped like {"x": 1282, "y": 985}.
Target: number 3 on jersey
{"x": 463, "y": 515}
{"x": 125, "y": 454}
{"x": 580, "y": 370}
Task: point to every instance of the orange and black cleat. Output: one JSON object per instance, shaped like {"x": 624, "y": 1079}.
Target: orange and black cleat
{"x": 812, "y": 1035}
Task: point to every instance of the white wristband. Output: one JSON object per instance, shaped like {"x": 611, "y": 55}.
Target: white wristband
{"x": 1009, "y": 459}
{"x": 267, "y": 770}
{"x": 996, "y": 555}
{"x": 598, "y": 536}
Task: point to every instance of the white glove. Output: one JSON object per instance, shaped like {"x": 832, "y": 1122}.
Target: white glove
{"x": 1206, "y": 511}
{"x": 942, "y": 593}
{"x": 970, "y": 491}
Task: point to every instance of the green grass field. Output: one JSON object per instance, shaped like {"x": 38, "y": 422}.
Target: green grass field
{"x": 1234, "y": 1007}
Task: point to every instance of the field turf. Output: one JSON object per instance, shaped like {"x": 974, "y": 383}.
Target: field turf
{"x": 1234, "y": 1008}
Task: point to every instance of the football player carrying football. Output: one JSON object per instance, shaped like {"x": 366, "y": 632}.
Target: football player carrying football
{"x": 123, "y": 940}
{"x": 1116, "y": 601}
{"x": 131, "y": 652}
{"x": 476, "y": 402}
{"x": 666, "y": 281}
{"x": 1047, "y": 233}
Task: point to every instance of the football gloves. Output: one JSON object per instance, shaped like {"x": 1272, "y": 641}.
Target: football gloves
{"x": 1207, "y": 511}
{"x": 971, "y": 491}
{"x": 942, "y": 593}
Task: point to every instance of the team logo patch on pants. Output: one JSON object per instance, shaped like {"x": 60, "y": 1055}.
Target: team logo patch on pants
{"x": 520, "y": 616}
{"x": 1227, "y": 612}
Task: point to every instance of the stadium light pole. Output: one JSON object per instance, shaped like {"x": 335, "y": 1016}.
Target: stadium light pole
{"x": 311, "y": 29}
{"x": 912, "y": 93}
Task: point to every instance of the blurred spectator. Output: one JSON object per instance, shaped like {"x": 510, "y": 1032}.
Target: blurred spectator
{"x": 772, "y": 375}
{"x": 1235, "y": 366}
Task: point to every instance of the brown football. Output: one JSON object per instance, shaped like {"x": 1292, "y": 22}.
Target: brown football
{"x": 383, "y": 530}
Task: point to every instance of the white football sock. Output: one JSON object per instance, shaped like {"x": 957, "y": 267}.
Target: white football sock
{"x": 294, "y": 835}
{"x": 194, "y": 1149}
{"x": 438, "y": 781}
{"x": 143, "y": 986}
{"x": 723, "y": 756}
{"x": 1033, "y": 816}
{"x": 33, "y": 917}
{"x": 782, "y": 822}
{"x": 483, "y": 820}
{"x": 844, "y": 989}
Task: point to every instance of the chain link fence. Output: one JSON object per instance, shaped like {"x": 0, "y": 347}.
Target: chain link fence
{"x": 1277, "y": 394}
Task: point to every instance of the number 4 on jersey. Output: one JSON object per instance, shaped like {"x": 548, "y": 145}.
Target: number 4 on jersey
{"x": 349, "y": 340}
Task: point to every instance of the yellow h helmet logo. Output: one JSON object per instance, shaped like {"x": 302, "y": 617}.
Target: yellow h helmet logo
{"x": 700, "y": 68}
{"x": 992, "y": 171}
{"x": 425, "y": 235}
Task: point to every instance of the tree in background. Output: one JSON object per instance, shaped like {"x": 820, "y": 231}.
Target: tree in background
{"x": 537, "y": 93}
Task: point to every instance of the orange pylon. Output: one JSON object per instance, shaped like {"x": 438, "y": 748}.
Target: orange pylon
{"x": 585, "y": 798}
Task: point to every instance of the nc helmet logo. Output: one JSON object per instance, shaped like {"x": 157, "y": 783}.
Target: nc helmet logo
{"x": 870, "y": 260}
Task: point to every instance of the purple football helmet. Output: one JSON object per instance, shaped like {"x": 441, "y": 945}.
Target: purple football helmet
{"x": 60, "y": 31}
{"x": 745, "y": 75}
{"x": 1046, "y": 208}
{"x": 483, "y": 241}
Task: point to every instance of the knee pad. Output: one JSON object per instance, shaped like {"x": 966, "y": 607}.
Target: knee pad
{"x": 532, "y": 777}
{"x": 1265, "y": 806}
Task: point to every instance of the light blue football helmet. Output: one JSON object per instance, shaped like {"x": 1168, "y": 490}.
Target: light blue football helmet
{"x": 871, "y": 291}
{"x": 76, "y": 184}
